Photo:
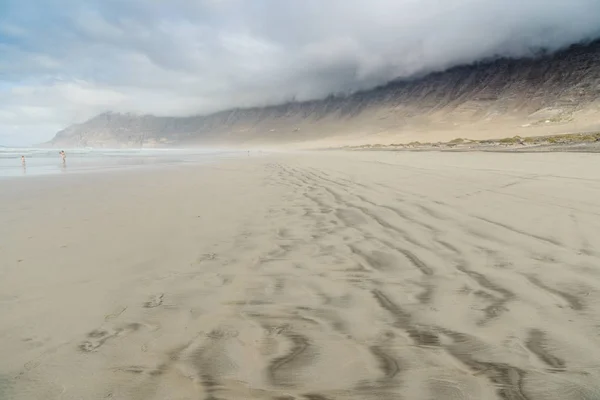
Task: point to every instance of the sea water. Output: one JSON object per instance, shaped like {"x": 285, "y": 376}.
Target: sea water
{"x": 48, "y": 161}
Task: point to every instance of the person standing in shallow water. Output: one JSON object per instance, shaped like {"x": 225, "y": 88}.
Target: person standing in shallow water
{"x": 63, "y": 156}
{"x": 23, "y": 160}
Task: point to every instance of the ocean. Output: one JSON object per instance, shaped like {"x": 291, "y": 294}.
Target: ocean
{"x": 48, "y": 161}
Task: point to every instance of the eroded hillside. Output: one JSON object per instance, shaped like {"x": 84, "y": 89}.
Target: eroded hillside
{"x": 550, "y": 94}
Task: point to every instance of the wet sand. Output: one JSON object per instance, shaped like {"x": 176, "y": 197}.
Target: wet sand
{"x": 330, "y": 275}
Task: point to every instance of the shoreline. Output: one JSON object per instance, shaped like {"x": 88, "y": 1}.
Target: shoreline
{"x": 40, "y": 162}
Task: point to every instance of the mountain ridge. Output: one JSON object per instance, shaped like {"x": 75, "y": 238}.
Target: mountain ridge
{"x": 552, "y": 93}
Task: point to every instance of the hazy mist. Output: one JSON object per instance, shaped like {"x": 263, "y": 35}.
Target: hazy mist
{"x": 63, "y": 64}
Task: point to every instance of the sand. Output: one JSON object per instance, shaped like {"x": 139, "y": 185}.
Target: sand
{"x": 328, "y": 275}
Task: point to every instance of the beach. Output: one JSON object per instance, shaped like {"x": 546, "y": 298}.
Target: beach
{"x": 325, "y": 275}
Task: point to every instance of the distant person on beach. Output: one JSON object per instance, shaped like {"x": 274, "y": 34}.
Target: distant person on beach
{"x": 63, "y": 156}
{"x": 23, "y": 160}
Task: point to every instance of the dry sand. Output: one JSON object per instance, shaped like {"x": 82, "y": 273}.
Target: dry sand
{"x": 311, "y": 276}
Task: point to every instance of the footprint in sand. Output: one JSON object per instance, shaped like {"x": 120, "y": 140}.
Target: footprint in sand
{"x": 98, "y": 337}
{"x": 206, "y": 257}
{"x": 140, "y": 369}
{"x": 154, "y": 301}
{"x": 115, "y": 314}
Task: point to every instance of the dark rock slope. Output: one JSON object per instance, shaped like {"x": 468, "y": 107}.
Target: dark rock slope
{"x": 559, "y": 91}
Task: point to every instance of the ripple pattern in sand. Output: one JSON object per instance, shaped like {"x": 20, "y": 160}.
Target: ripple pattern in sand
{"x": 368, "y": 289}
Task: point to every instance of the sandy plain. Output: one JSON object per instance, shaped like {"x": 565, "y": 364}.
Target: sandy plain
{"x": 324, "y": 275}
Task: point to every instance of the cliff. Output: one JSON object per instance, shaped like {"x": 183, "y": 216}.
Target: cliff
{"x": 553, "y": 93}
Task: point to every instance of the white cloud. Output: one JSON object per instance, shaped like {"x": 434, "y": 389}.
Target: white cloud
{"x": 182, "y": 57}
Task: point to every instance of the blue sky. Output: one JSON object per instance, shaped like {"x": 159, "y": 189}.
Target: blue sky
{"x": 64, "y": 61}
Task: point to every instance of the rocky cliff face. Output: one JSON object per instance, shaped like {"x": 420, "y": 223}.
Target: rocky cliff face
{"x": 550, "y": 94}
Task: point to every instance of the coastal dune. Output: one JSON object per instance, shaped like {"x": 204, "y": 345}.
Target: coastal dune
{"x": 317, "y": 276}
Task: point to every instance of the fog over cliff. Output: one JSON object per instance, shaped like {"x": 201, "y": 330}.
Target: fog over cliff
{"x": 66, "y": 64}
{"x": 553, "y": 93}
